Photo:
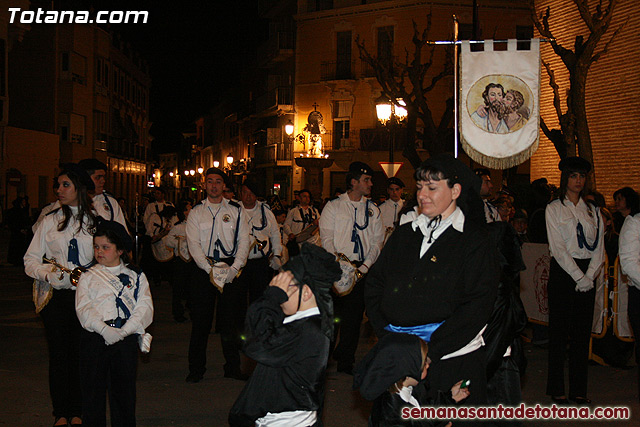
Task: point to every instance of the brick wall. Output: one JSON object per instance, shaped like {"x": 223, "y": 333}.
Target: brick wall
{"x": 613, "y": 105}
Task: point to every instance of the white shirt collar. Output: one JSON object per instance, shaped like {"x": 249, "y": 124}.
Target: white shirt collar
{"x": 456, "y": 220}
{"x": 301, "y": 315}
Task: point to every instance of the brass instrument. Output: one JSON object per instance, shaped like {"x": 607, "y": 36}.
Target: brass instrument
{"x": 257, "y": 243}
{"x": 358, "y": 274}
{"x": 74, "y": 274}
{"x": 350, "y": 276}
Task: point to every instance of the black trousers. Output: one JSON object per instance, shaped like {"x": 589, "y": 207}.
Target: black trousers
{"x": 62, "y": 330}
{"x": 256, "y": 276}
{"x": 232, "y": 306}
{"x": 108, "y": 368}
{"x": 633, "y": 310}
{"x": 570, "y": 319}
{"x": 182, "y": 272}
{"x": 504, "y": 388}
{"x": 348, "y": 312}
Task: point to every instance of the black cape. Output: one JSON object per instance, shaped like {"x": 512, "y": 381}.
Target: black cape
{"x": 291, "y": 358}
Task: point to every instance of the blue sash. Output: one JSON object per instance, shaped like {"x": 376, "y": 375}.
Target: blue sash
{"x": 422, "y": 331}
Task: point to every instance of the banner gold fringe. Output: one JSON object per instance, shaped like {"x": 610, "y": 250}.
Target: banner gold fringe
{"x": 499, "y": 162}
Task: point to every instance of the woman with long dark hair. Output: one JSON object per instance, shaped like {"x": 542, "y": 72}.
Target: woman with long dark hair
{"x": 66, "y": 236}
{"x": 575, "y": 231}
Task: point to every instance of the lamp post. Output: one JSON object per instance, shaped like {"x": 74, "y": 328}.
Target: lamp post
{"x": 390, "y": 114}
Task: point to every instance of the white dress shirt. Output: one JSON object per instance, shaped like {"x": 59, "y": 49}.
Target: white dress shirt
{"x": 50, "y": 242}
{"x": 409, "y": 216}
{"x": 96, "y": 300}
{"x": 263, "y": 229}
{"x": 431, "y": 230}
{"x": 295, "y": 223}
{"x": 629, "y": 249}
{"x": 109, "y": 209}
{"x": 389, "y": 212}
{"x": 177, "y": 240}
{"x": 209, "y": 223}
{"x": 491, "y": 213}
{"x": 562, "y": 221}
{"x": 152, "y": 207}
{"x": 337, "y": 223}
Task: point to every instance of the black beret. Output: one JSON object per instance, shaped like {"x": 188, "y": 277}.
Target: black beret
{"x": 253, "y": 183}
{"x": 396, "y": 181}
{"x": 577, "y": 164}
{"x": 216, "y": 171}
{"x": 117, "y": 229}
{"x": 92, "y": 165}
{"x": 360, "y": 168}
{"x": 81, "y": 173}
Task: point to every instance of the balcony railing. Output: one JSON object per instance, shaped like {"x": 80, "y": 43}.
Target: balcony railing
{"x": 279, "y": 47}
{"x": 378, "y": 139}
{"x": 337, "y": 70}
{"x": 272, "y": 154}
{"x": 279, "y": 96}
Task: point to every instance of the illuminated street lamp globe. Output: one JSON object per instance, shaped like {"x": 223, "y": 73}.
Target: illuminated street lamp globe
{"x": 383, "y": 109}
{"x": 288, "y": 128}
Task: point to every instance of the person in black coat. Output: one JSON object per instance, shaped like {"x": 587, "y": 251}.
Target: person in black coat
{"x": 505, "y": 356}
{"x": 437, "y": 276}
{"x": 388, "y": 375}
{"x": 289, "y": 330}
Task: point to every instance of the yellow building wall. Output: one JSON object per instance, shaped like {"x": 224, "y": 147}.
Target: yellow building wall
{"x": 316, "y": 43}
{"x": 34, "y": 154}
{"x": 613, "y": 105}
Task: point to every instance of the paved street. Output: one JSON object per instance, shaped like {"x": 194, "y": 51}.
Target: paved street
{"x": 164, "y": 399}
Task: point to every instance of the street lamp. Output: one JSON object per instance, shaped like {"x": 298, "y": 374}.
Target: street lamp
{"x": 216, "y": 164}
{"x": 288, "y": 128}
{"x": 200, "y": 169}
{"x": 230, "y": 159}
{"x": 391, "y": 114}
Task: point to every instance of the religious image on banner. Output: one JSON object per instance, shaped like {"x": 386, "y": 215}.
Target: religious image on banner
{"x": 499, "y": 103}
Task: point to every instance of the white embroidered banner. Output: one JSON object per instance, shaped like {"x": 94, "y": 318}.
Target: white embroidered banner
{"x": 499, "y": 106}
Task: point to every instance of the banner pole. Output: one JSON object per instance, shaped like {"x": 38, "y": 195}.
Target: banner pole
{"x": 455, "y": 86}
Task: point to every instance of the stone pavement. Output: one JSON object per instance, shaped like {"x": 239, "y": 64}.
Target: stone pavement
{"x": 165, "y": 399}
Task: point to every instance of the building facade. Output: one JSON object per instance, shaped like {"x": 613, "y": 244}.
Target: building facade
{"x": 90, "y": 89}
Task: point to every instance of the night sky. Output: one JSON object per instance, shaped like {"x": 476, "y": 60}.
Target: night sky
{"x": 195, "y": 51}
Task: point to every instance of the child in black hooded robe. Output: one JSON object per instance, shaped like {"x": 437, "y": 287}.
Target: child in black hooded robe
{"x": 289, "y": 330}
{"x": 388, "y": 375}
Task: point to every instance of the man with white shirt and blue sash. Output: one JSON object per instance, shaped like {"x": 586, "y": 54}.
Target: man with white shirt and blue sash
{"x": 351, "y": 225}
{"x": 218, "y": 239}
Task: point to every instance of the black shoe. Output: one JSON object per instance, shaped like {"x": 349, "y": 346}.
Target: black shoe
{"x": 560, "y": 400}
{"x": 346, "y": 368}
{"x": 582, "y": 400}
{"x": 236, "y": 374}
{"x": 193, "y": 378}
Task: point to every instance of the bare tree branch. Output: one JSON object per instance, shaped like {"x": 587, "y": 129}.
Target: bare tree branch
{"x": 597, "y": 56}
